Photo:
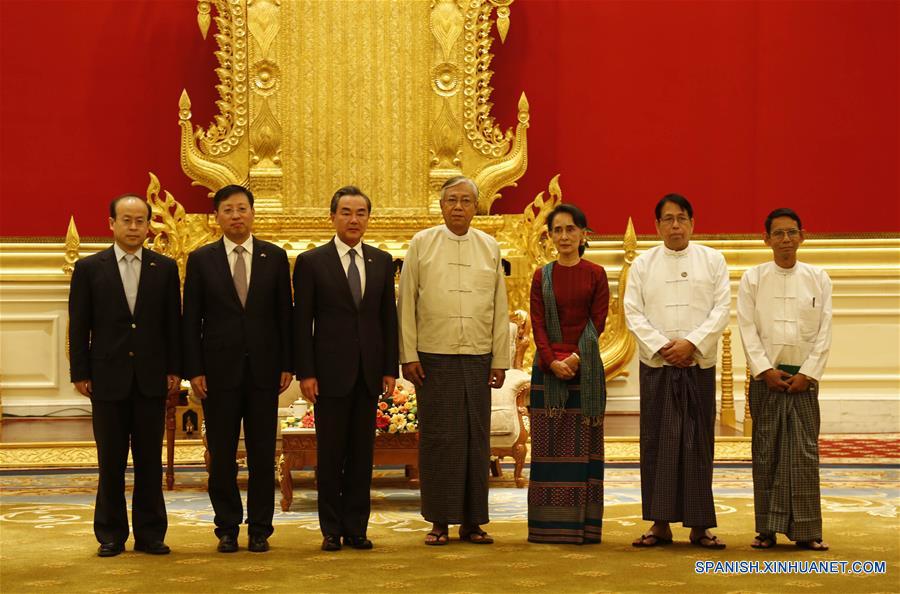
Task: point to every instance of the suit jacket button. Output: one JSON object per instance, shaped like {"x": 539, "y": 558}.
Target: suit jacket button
{"x": 134, "y": 325}
{"x": 131, "y": 353}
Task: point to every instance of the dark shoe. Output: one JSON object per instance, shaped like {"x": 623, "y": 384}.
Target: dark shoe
{"x": 358, "y": 542}
{"x": 227, "y": 544}
{"x": 110, "y": 549}
{"x": 258, "y": 544}
{"x": 331, "y": 543}
{"x": 156, "y": 547}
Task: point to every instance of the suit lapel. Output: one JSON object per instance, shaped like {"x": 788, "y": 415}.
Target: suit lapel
{"x": 373, "y": 276}
{"x": 258, "y": 266}
{"x": 337, "y": 273}
{"x": 111, "y": 268}
{"x": 146, "y": 280}
{"x": 220, "y": 261}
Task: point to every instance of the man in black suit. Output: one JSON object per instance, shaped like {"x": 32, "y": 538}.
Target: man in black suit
{"x": 237, "y": 352}
{"x": 125, "y": 355}
{"x": 347, "y": 355}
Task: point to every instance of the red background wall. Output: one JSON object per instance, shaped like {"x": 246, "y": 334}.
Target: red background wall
{"x": 741, "y": 106}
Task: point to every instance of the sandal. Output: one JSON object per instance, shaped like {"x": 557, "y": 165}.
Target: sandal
{"x": 711, "y": 542}
{"x": 476, "y": 536}
{"x": 438, "y": 538}
{"x": 657, "y": 541}
{"x": 763, "y": 541}
{"x": 812, "y": 545}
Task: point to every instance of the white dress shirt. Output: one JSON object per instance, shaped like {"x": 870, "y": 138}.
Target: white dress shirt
{"x": 785, "y": 317}
{"x": 683, "y": 294}
{"x": 453, "y": 297}
{"x": 343, "y": 251}
{"x": 232, "y": 256}
{"x": 120, "y": 259}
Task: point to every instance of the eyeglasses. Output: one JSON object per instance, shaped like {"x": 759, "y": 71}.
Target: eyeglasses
{"x": 669, "y": 220}
{"x": 464, "y": 202}
{"x": 781, "y": 233}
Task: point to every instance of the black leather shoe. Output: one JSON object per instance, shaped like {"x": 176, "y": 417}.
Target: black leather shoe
{"x": 110, "y": 549}
{"x": 358, "y": 542}
{"x": 258, "y": 544}
{"x": 157, "y": 547}
{"x": 227, "y": 544}
{"x": 331, "y": 543}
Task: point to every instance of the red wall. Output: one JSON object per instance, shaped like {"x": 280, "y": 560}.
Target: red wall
{"x": 741, "y": 106}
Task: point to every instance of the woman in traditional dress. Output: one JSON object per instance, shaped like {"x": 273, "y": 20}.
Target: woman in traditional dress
{"x": 569, "y": 303}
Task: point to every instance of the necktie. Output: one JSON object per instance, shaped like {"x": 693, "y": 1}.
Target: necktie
{"x": 240, "y": 274}
{"x": 353, "y": 279}
{"x": 130, "y": 281}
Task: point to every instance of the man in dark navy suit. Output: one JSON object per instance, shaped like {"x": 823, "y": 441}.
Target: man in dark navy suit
{"x": 347, "y": 355}
{"x": 125, "y": 355}
{"x": 237, "y": 352}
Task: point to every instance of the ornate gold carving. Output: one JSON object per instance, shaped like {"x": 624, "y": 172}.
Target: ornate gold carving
{"x": 218, "y": 155}
{"x": 726, "y": 415}
{"x": 446, "y": 25}
{"x": 175, "y": 233}
{"x": 502, "y": 17}
{"x": 73, "y": 242}
{"x": 484, "y": 135}
{"x": 73, "y": 454}
{"x": 264, "y": 22}
{"x": 748, "y": 420}
{"x": 492, "y": 158}
{"x": 312, "y": 97}
{"x": 203, "y": 18}
{"x": 446, "y": 140}
{"x": 445, "y": 79}
{"x": 211, "y": 173}
{"x": 495, "y": 175}
{"x": 616, "y": 343}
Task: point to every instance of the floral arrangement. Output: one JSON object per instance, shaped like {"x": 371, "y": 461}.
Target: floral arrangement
{"x": 307, "y": 421}
{"x": 397, "y": 412}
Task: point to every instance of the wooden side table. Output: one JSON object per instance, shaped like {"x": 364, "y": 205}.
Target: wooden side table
{"x": 299, "y": 451}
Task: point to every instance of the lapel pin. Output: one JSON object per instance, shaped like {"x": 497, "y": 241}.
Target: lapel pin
{"x": 262, "y": 255}
{"x": 152, "y": 263}
{"x": 369, "y": 260}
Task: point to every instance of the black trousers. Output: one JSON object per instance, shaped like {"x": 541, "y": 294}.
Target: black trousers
{"x": 140, "y": 422}
{"x": 224, "y": 410}
{"x": 345, "y": 437}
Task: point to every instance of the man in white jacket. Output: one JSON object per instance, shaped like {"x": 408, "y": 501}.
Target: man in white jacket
{"x": 676, "y": 304}
{"x": 784, "y": 311}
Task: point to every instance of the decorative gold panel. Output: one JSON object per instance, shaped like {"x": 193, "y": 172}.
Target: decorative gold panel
{"x": 391, "y": 95}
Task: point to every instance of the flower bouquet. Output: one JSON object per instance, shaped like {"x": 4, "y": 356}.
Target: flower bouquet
{"x": 398, "y": 411}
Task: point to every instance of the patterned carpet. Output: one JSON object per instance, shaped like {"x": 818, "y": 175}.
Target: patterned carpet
{"x": 860, "y": 449}
{"x": 48, "y": 545}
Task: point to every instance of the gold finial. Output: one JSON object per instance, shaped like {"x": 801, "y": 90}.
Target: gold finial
{"x": 184, "y": 106}
{"x": 503, "y": 22}
{"x": 630, "y": 242}
{"x": 203, "y": 18}
{"x": 523, "y": 109}
{"x": 73, "y": 242}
